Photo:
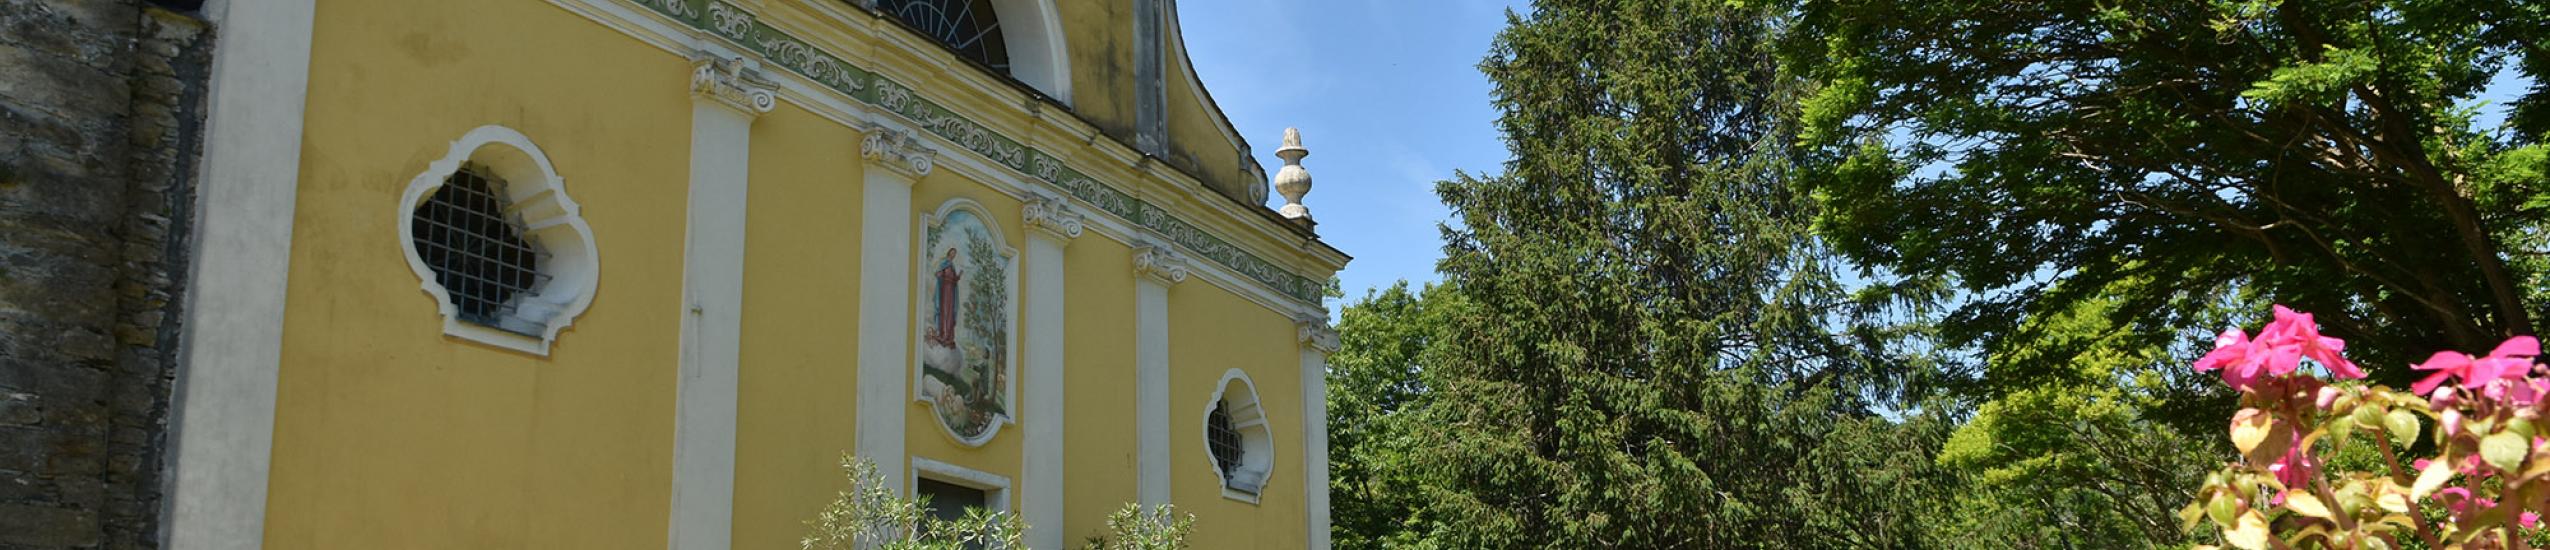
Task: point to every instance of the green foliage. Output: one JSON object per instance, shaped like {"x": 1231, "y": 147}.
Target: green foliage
{"x": 1637, "y": 343}
{"x": 1135, "y": 528}
{"x": 2316, "y": 151}
{"x": 868, "y": 515}
{"x": 1375, "y": 382}
{"x": 2091, "y": 179}
{"x": 2068, "y": 450}
{"x": 1641, "y": 340}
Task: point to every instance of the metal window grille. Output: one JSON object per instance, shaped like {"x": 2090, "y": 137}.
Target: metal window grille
{"x": 1224, "y": 439}
{"x": 967, "y": 26}
{"x": 477, "y": 250}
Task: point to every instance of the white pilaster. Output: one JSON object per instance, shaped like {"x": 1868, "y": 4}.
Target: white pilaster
{"x": 1317, "y": 342}
{"x": 896, "y": 161}
{"x": 727, "y": 95}
{"x": 1155, "y": 267}
{"x": 223, "y": 424}
{"x": 1052, "y": 223}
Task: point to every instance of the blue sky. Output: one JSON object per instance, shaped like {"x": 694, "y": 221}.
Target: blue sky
{"x": 1389, "y": 99}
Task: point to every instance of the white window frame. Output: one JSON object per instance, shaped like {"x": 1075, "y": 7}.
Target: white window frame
{"x": 1257, "y": 434}
{"x": 551, "y": 219}
{"x": 995, "y": 487}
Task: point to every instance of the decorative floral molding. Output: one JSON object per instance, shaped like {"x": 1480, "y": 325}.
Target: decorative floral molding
{"x": 1316, "y": 334}
{"x": 740, "y": 26}
{"x": 1053, "y": 215}
{"x": 898, "y": 151}
{"x": 729, "y": 81}
{"x": 1159, "y": 263}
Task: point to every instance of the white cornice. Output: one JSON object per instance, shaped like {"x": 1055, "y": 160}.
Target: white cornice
{"x": 654, "y": 29}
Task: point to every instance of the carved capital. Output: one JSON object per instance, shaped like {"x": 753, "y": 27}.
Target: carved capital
{"x": 1314, "y": 332}
{"x": 898, "y": 151}
{"x": 733, "y": 83}
{"x": 1159, "y": 263}
{"x": 1053, "y": 216}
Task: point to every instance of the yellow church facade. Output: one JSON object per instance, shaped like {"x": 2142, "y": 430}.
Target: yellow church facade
{"x": 636, "y": 273}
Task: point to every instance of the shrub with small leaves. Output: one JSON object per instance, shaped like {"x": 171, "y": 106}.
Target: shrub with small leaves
{"x": 1135, "y": 528}
{"x": 868, "y": 516}
{"x": 2481, "y": 487}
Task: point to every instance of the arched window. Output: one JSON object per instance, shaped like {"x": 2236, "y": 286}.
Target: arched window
{"x": 1237, "y": 438}
{"x": 494, "y": 239}
{"x": 971, "y": 27}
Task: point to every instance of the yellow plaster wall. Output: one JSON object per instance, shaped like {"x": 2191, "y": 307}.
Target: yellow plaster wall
{"x": 389, "y": 435}
{"x": 1210, "y": 332}
{"x": 1101, "y": 37}
{"x": 797, "y": 408}
{"x": 923, "y": 436}
{"x": 1099, "y": 440}
{"x": 1196, "y": 141}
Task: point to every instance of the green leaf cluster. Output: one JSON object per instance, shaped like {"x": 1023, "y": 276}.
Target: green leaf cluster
{"x": 1870, "y": 273}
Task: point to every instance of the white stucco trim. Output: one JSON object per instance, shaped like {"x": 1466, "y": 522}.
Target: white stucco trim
{"x": 1257, "y": 437}
{"x": 994, "y": 486}
{"x": 727, "y": 97}
{"x": 222, "y": 425}
{"x": 1038, "y": 53}
{"x": 550, "y": 218}
{"x": 1151, "y": 388}
{"x": 920, "y": 284}
{"x": 831, "y": 104}
{"x": 895, "y": 163}
{"x": 1051, "y": 224}
{"x": 1317, "y": 341}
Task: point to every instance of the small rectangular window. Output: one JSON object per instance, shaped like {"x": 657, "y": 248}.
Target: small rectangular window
{"x": 949, "y": 501}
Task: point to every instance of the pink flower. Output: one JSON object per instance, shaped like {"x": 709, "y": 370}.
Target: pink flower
{"x": 2443, "y": 398}
{"x": 2297, "y": 467}
{"x": 2277, "y": 351}
{"x": 2511, "y": 360}
{"x": 2295, "y": 333}
{"x": 2240, "y": 360}
{"x": 2453, "y": 498}
{"x": 2459, "y": 501}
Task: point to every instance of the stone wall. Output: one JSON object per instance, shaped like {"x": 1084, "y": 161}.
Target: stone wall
{"x": 100, "y": 103}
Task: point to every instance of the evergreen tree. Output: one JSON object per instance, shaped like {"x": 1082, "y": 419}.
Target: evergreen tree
{"x": 1650, "y": 349}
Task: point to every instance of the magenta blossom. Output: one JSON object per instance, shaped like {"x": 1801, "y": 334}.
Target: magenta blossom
{"x": 2296, "y": 333}
{"x": 2459, "y": 501}
{"x": 2240, "y": 360}
{"x": 2511, "y": 360}
{"x": 2298, "y": 467}
{"x": 2277, "y": 351}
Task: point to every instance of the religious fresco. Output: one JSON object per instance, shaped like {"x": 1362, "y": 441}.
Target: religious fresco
{"x": 966, "y": 304}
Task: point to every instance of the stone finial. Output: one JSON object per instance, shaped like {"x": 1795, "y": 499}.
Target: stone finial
{"x": 898, "y": 151}
{"x": 1052, "y": 215}
{"x": 1293, "y": 181}
{"x": 1316, "y": 333}
{"x": 1157, "y": 262}
{"x": 733, "y": 82}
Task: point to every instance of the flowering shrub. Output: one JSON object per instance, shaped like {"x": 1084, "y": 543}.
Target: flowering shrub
{"x": 2475, "y": 480}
